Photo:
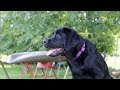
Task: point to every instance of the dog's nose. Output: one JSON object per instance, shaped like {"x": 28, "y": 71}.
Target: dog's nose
{"x": 45, "y": 41}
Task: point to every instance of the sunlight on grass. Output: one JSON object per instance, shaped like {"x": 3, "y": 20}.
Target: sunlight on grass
{"x": 6, "y": 66}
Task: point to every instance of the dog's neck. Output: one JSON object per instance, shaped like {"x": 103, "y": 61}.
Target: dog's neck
{"x": 74, "y": 51}
{"x": 80, "y": 51}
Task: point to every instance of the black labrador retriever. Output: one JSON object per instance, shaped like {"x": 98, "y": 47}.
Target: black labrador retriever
{"x": 82, "y": 56}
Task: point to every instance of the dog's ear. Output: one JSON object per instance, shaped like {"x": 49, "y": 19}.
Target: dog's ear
{"x": 71, "y": 38}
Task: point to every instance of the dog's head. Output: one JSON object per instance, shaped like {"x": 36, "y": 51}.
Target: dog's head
{"x": 62, "y": 40}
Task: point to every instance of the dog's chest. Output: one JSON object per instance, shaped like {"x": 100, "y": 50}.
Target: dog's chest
{"x": 79, "y": 69}
{"x": 75, "y": 66}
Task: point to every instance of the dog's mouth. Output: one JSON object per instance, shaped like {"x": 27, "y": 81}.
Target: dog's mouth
{"x": 55, "y": 52}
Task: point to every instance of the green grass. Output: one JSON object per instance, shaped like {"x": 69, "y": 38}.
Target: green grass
{"x": 14, "y": 72}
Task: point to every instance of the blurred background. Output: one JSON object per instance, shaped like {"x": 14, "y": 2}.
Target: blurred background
{"x": 24, "y": 31}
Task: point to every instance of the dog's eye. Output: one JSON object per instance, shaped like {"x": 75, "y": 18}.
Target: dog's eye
{"x": 58, "y": 36}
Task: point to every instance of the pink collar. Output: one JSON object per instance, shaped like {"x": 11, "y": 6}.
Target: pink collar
{"x": 80, "y": 52}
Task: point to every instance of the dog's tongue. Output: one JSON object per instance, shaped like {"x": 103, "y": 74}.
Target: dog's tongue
{"x": 51, "y": 51}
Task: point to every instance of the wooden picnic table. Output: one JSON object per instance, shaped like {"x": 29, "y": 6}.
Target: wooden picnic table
{"x": 26, "y": 57}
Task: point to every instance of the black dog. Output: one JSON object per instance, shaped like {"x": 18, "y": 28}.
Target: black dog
{"x": 82, "y": 56}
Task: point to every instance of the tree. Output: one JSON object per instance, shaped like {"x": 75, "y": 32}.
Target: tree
{"x": 23, "y": 31}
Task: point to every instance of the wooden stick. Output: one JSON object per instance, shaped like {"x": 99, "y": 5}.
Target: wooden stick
{"x": 5, "y": 70}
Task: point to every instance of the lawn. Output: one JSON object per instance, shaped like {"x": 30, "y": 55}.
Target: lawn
{"x": 14, "y": 72}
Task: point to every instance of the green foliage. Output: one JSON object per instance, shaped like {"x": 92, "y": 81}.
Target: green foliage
{"x": 25, "y": 30}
